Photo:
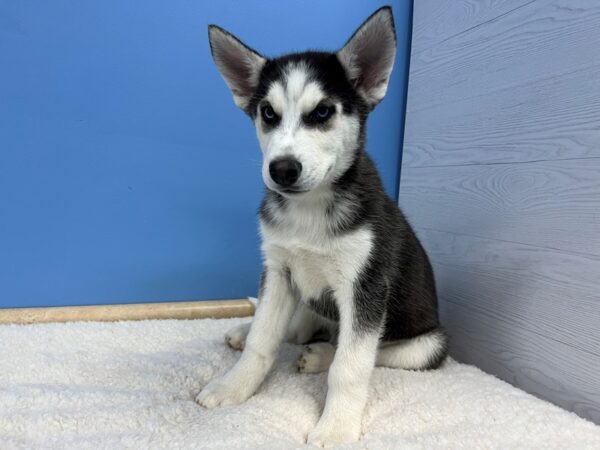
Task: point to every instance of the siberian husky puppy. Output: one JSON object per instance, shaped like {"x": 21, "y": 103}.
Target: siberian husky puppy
{"x": 338, "y": 253}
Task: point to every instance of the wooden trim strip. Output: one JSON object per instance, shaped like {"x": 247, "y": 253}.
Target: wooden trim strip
{"x": 216, "y": 309}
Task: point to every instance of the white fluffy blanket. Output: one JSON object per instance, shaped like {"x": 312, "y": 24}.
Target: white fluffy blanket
{"x": 132, "y": 385}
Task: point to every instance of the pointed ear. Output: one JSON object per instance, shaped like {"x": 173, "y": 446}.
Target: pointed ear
{"x": 239, "y": 65}
{"x": 369, "y": 54}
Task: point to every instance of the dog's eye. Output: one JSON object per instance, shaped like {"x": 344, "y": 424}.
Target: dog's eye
{"x": 268, "y": 114}
{"x": 323, "y": 112}
{"x": 320, "y": 114}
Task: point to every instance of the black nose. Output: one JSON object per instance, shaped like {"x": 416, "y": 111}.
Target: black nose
{"x": 285, "y": 171}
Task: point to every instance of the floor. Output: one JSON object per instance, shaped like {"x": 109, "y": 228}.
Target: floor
{"x": 132, "y": 384}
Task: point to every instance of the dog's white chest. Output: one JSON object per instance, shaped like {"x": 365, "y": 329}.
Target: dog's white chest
{"x": 318, "y": 263}
{"x": 311, "y": 272}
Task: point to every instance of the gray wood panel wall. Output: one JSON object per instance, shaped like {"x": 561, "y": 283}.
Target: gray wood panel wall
{"x": 501, "y": 179}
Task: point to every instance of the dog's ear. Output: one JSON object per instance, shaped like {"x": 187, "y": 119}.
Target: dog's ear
{"x": 369, "y": 55}
{"x": 239, "y": 65}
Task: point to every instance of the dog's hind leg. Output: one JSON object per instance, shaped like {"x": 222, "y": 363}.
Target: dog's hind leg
{"x": 236, "y": 337}
{"x": 423, "y": 352}
{"x": 301, "y": 330}
{"x": 304, "y": 325}
{"x": 316, "y": 357}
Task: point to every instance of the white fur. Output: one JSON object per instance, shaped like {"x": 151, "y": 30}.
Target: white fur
{"x": 415, "y": 353}
{"x": 272, "y": 316}
{"x": 347, "y": 385}
{"x": 306, "y": 222}
{"x": 236, "y": 337}
{"x": 324, "y": 154}
{"x": 316, "y": 260}
{"x": 316, "y": 357}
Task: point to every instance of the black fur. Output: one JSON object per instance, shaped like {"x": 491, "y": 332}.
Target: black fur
{"x": 325, "y": 306}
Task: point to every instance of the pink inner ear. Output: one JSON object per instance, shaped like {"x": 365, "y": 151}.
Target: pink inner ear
{"x": 235, "y": 69}
{"x": 237, "y": 63}
{"x": 369, "y": 55}
{"x": 373, "y": 59}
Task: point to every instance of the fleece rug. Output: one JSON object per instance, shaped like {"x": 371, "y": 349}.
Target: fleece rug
{"x": 132, "y": 385}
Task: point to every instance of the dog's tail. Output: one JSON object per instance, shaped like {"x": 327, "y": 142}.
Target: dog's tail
{"x": 424, "y": 352}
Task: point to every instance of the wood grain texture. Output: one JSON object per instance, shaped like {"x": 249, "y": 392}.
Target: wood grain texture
{"x": 216, "y": 309}
{"x": 549, "y": 292}
{"x": 550, "y": 370}
{"x": 552, "y": 204}
{"x": 440, "y": 20}
{"x": 520, "y": 88}
{"x": 501, "y": 180}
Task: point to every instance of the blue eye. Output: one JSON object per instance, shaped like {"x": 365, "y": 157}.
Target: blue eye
{"x": 268, "y": 114}
{"x": 323, "y": 112}
{"x": 320, "y": 114}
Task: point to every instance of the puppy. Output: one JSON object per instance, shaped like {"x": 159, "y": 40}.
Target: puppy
{"x": 338, "y": 253}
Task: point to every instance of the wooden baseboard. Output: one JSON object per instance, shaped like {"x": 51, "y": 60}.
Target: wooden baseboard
{"x": 216, "y": 309}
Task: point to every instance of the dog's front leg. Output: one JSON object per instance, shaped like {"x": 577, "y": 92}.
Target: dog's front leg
{"x": 275, "y": 309}
{"x": 348, "y": 379}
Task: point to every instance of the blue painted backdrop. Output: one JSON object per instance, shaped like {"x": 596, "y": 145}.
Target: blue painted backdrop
{"x": 126, "y": 172}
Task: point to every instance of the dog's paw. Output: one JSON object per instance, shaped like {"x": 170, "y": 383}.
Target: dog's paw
{"x": 316, "y": 357}
{"x": 236, "y": 337}
{"x": 221, "y": 392}
{"x": 327, "y": 435}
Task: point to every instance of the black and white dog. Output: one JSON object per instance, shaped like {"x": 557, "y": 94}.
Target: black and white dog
{"x": 338, "y": 253}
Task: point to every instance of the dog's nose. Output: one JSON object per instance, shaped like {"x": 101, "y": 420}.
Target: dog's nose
{"x": 285, "y": 171}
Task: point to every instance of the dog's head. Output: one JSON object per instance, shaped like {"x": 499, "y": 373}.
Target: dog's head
{"x": 309, "y": 108}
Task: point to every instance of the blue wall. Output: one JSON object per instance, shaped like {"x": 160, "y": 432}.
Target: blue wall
{"x": 126, "y": 172}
